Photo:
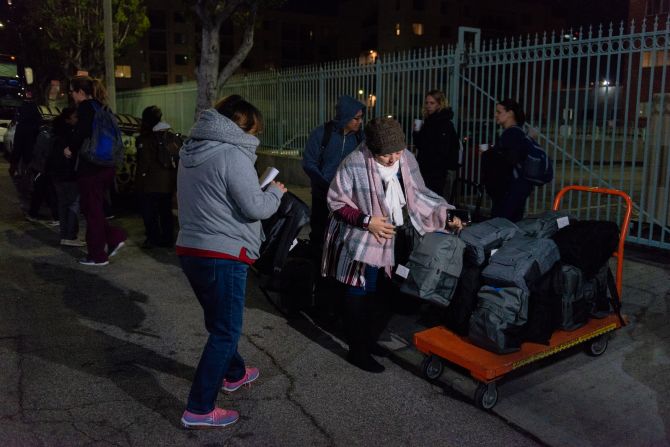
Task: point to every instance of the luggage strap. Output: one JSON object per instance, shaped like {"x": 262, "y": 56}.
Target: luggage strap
{"x": 615, "y": 300}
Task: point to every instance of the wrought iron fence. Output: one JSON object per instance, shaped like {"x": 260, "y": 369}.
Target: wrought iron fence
{"x": 595, "y": 99}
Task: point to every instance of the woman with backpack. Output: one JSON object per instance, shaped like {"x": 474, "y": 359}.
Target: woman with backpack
{"x": 501, "y": 165}
{"x": 156, "y": 177}
{"x": 377, "y": 188}
{"x": 93, "y": 179}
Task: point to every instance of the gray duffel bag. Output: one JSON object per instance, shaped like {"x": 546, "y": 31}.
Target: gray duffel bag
{"x": 544, "y": 225}
{"x": 434, "y": 266}
{"x": 574, "y": 305}
{"x": 520, "y": 262}
{"x": 485, "y": 236}
{"x": 497, "y": 322}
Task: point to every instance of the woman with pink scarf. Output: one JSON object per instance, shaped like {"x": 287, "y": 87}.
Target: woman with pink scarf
{"x": 376, "y": 188}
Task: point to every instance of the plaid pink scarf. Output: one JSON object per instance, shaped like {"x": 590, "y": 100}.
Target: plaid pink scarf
{"x": 358, "y": 184}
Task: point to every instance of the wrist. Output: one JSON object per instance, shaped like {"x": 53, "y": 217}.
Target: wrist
{"x": 365, "y": 223}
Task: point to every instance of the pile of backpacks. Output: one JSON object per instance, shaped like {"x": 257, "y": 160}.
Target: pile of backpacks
{"x": 502, "y": 284}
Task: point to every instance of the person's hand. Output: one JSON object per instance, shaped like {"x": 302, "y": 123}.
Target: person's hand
{"x": 279, "y": 185}
{"x": 380, "y": 228}
{"x": 67, "y": 152}
{"x": 455, "y": 225}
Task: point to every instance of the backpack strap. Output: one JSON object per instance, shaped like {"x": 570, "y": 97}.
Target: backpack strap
{"x": 615, "y": 300}
{"x": 328, "y": 128}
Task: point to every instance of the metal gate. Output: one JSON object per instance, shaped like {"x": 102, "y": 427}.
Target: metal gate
{"x": 594, "y": 98}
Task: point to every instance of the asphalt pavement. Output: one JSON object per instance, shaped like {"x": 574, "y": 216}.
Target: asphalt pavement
{"x": 105, "y": 356}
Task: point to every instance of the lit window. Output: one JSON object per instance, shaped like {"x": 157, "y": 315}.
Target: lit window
{"x": 661, "y": 59}
{"x": 397, "y": 29}
{"x": 417, "y": 29}
{"x": 123, "y": 71}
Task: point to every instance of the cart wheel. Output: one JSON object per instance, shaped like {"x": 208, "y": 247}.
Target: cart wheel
{"x": 486, "y": 395}
{"x": 597, "y": 346}
{"x": 433, "y": 367}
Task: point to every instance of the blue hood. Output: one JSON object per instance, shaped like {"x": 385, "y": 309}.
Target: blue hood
{"x": 346, "y": 108}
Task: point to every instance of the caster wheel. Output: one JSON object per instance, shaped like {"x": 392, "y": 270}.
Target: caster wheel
{"x": 432, "y": 367}
{"x": 486, "y": 395}
{"x": 597, "y": 346}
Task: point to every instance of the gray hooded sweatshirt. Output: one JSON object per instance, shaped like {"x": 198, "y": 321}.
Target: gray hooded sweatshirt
{"x": 220, "y": 201}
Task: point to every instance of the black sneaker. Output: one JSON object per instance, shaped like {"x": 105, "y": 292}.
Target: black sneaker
{"x": 364, "y": 361}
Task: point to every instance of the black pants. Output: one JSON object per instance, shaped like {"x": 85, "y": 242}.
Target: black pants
{"x": 512, "y": 204}
{"x": 43, "y": 191}
{"x": 68, "y": 208}
{"x": 318, "y": 221}
{"x": 158, "y": 218}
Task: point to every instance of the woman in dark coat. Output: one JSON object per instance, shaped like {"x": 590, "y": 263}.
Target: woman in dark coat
{"x": 438, "y": 145}
{"x": 155, "y": 182}
{"x": 501, "y": 164}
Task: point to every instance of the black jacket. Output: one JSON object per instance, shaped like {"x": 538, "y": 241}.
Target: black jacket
{"x": 438, "y": 143}
{"x": 60, "y": 167}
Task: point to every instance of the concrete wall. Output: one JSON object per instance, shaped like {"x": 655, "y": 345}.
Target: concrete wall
{"x": 290, "y": 168}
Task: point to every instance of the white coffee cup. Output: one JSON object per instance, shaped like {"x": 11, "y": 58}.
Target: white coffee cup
{"x": 483, "y": 147}
{"x": 417, "y": 124}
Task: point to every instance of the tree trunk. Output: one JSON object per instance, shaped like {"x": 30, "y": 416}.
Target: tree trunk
{"x": 242, "y": 52}
{"x": 208, "y": 70}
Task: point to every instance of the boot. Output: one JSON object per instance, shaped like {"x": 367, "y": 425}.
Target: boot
{"x": 360, "y": 357}
{"x": 357, "y": 327}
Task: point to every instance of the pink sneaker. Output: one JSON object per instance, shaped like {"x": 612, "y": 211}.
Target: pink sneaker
{"x": 250, "y": 375}
{"x": 217, "y": 418}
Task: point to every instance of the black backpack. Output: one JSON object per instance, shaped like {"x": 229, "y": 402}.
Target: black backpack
{"x": 169, "y": 144}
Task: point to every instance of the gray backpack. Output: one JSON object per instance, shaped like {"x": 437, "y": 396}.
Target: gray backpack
{"x": 521, "y": 262}
{"x": 483, "y": 237}
{"x": 544, "y": 225}
{"x": 497, "y": 322}
{"x": 434, "y": 266}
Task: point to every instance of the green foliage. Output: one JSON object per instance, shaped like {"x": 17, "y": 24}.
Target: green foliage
{"x": 74, "y": 29}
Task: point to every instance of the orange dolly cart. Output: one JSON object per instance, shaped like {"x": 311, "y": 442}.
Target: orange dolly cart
{"x": 485, "y": 367}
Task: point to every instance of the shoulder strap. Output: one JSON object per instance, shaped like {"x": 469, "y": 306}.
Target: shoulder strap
{"x": 328, "y": 128}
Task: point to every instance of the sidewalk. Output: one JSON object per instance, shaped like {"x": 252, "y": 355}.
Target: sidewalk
{"x": 619, "y": 398}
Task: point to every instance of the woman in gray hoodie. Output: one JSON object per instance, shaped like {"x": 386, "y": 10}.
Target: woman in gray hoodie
{"x": 220, "y": 208}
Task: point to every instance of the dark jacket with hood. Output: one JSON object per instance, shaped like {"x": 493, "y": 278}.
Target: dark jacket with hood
{"x": 220, "y": 200}
{"x": 321, "y": 166}
{"x": 438, "y": 143}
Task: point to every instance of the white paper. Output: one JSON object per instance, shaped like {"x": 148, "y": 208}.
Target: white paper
{"x": 402, "y": 271}
{"x": 563, "y": 222}
{"x": 293, "y": 244}
{"x": 269, "y": 174}
{"x": 494, "y": 251}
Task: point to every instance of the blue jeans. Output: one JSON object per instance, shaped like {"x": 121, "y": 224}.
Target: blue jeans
{"x": 219, "y": 285}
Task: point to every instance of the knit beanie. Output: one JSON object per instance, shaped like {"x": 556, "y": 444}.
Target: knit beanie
{"x": 384, "y": 136}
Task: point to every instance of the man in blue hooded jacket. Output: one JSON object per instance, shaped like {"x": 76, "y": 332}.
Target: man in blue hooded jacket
{"x": 343, "y": 134}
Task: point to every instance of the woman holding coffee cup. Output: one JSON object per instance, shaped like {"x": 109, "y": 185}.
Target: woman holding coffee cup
{"x": 507, "y": 189}
{"x": 437, "y": 143}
